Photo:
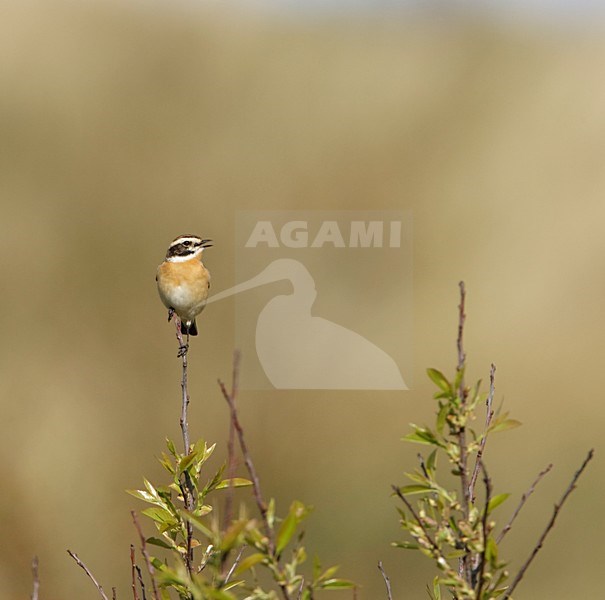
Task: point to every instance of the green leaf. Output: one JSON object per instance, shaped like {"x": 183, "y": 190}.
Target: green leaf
{"x": 327, "y": 573}
{"x": 197, "y": 523}
{"x": 336, "y": 584}
{"x": 166, "y": 463}
{"x": 235, "y": 482}
{"x": 159, "y": 542}
{"x": 422, "y": 435}
{"x": 171, "y": 447}
{"x": 203, "y": 450}
{"x": 202, "y": 510}
{"x": 415, "y": 489}
{"x": 232, "y": 535}
{"x": 436, "y": 588}
{"x": 142, "y": 495}
{"x": 442, "y": 417}
{"x": 298, "y": 511}
{"x": 504, "y": 425}
{"x": 406, "y": 545}
{"x": 159, "y": 515}
{"x": 439, "y": 378}
{"x": 431, "y": 462}
{"x": 186, "y": 461}
{"x": 151, "y": 489}
{"x": 455, "y": 554}
{"x": 316, "y": 567}
{"x": 491, "y": 551}
{"x": 496, "y": 501}
{"x": 459, "y": 377}
{"x": 211, "y": 485}
{"x": 249, "y": 562}
{"x": 271, "y": 513}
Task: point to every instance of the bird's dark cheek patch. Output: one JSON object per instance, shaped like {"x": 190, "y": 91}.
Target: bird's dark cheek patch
{"x": 181, "y": 250}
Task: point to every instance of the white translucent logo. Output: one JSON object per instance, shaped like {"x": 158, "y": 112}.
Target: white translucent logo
{"x": 313, "y": 302}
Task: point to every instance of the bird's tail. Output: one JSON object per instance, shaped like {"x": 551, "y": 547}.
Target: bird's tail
{"x": 189, "y": 329}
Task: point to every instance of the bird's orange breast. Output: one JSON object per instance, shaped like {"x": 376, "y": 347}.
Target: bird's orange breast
{"x": 183, "y": 286}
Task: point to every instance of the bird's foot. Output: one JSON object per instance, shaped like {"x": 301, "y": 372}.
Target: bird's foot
{"x": 183, "y": 349}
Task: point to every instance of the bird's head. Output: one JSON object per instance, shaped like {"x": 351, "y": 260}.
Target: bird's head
{"x": 186, "y": 247}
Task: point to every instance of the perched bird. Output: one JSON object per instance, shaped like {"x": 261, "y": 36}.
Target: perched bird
{"x": 183, "y": 280}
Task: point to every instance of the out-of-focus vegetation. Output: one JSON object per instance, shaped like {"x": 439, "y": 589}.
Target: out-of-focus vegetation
{"x": 124, "y": 126}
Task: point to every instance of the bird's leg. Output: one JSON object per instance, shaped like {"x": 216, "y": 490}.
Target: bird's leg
{"x": 170, "y": 314}
{"x": 183, "y": 348}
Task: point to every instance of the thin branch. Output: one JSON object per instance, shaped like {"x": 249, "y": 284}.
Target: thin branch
{"x": 187, "y": 488}
{"x": 464, "y": 563}
{"x": 483, "y": 560}
{"x": 36, "y": 579}
{"x": 524, "y": 499}
{"x": 461, "y": 319}
{"x": 187, "y": 491}
{"x": 570, "y": 488}
{"x": 234, "y": 565}
{"x": 133, "y": 572}
{"x": 183, "y": 349}
{"x": 90, "y": 575}
{"x": 231, "y": 462}
{"x": 141, "y": 582}
{"x": 114, "y": 594}
{"x": 150, "y": 568}
{"x": 489, "y": 415}
{"x": 387, "y": 581}
{"x": 261, "y": 504}
{"x": 422, "y": 465}
{"x": 427, "y": 535}
{"x": 300, "y": 589}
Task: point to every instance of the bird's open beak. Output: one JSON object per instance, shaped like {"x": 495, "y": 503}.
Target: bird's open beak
{"x": 206, "y": 243}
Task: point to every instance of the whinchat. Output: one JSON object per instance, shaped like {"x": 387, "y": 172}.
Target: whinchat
{"x": 183, "y": 280}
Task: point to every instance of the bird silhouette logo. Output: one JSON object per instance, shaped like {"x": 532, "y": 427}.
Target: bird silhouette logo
{"x": 298, "y": 350}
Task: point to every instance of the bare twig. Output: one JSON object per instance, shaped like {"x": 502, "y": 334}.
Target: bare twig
{"x": 387, "y": 581}
{"x": 186, "y": 488}
{"x": 524, "y": 499}
{"x": 114, "y": 594}
{"x": 234, "y": 565}
{"x": 461, "y": 319}
{"x": 482, "y": 559}
{"x": 422, "y": 465}
{"x": 427, "y": 535}
{"x": 133, "y": 572}
{"x": 261, "y": 504}
{"x": 141, "y": 582}
{"x": 464, "y": 563}
{"x": 150, "y": 568}
{"x": 570, "y": 488}
{"x": 231, "y": 462}
{"x": 90, "y": 575}
{"x": 300, "y": 589}
{"x": 183, "y": 349}
{"x": 489, "y": 415}
{"x": 36, "y": 579}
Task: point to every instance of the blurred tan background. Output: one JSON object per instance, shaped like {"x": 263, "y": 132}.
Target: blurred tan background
{"x": 122, "y": 126}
